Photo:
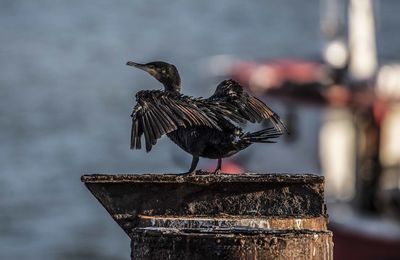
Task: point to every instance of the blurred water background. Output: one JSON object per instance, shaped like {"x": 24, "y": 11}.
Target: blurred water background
{"x": 66, "y": 96}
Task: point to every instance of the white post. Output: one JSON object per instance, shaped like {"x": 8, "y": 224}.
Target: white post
{"x": 363, "y": 57}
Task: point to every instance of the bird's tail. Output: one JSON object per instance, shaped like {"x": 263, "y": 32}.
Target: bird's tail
{"x": 262, "y": 136}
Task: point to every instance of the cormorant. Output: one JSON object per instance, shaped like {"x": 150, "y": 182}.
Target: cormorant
{"x": 203, "y": 127}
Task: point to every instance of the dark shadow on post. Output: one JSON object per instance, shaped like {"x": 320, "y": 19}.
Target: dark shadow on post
{"x": 246, "y": 216}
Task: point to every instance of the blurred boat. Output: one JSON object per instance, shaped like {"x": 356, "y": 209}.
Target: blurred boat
{"x": 360, "y": 236}
{"x": 365, "y": 221}
{"x": 285, "y": 78}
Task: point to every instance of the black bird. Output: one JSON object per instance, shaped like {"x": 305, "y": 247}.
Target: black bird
{"x": 203, "y": 127}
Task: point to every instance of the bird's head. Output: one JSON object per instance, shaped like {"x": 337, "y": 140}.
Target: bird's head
{"x": 164, "y": 72}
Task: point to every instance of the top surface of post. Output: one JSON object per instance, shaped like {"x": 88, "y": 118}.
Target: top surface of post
{"x": 202, "y": 177}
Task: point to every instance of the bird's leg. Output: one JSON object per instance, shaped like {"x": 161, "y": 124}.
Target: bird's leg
{"x": 193, "y": 166}
{"x": 218, "y": 169}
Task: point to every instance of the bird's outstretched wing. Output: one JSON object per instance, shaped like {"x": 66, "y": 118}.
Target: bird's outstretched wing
{"x": 237, "y": 105}
{"x": 157, "y": 113}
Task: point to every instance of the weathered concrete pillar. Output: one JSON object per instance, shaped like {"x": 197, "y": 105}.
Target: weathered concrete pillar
{"x": 246, "y": 216}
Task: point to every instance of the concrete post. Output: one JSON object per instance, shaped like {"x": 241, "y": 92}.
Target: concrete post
{"x": 246, "y": 216}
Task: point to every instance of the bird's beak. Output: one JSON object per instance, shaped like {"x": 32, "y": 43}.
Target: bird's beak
{"x": 152, "y": 72}
{"x": 136, "y": 65}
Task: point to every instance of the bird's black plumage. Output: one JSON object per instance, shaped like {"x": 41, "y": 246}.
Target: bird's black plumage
{"x": 203, "y": 127}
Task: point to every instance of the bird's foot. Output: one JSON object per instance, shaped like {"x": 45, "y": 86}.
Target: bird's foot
{"x": 217, "y": 172}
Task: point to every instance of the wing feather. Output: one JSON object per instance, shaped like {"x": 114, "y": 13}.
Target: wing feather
{"x": 163, "y": 125}
{"x": 239, "y": 106}
{"x": 158, "y": 113}
{"x": 155, "y": 123}
{"x": 146, "y": 133}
